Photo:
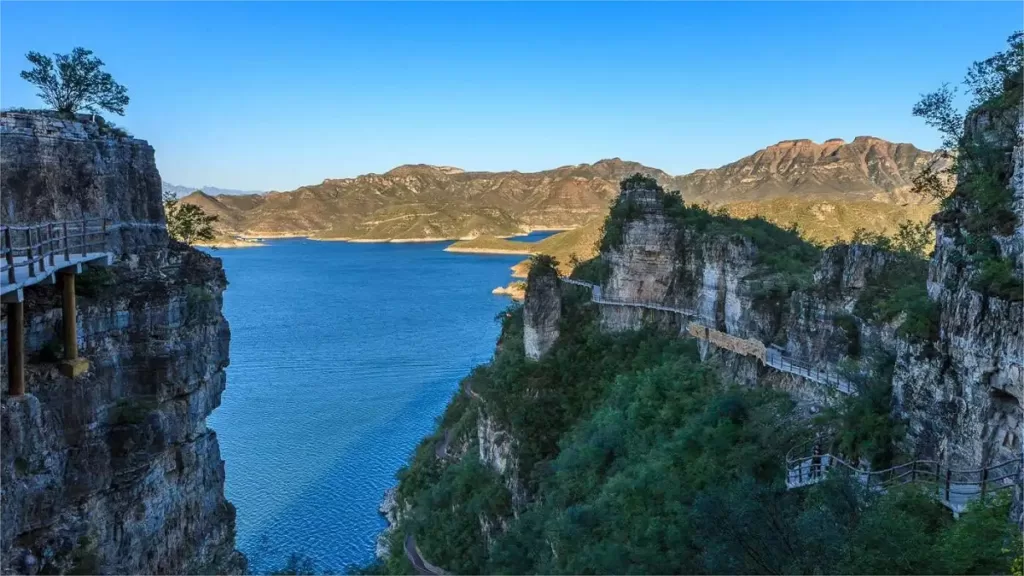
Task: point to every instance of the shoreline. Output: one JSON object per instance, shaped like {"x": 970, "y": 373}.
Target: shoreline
{"x": 235, "y": 244}
{"x": 488, "y": 251}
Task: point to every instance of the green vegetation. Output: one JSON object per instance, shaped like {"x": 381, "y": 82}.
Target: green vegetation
{"x": 981, "y": 202}
{"x": 188, "y": 223}
{"x": 863, "y": 424}
{"x": 129, "y": 411}
{"x": 93, "y": 281}
{"x": 75, "y": 83}
{"x": 636, "y": 458}
{"x": 901, "y": 287}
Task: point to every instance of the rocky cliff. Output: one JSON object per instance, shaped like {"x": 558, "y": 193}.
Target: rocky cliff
{"x": 115, "y": 471}
{"x": 542, "y": 311}
{"x": 963, "y": 395}
{"x": 956, "y": 361}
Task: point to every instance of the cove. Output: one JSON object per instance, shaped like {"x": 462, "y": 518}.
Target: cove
{"x": 342, "y": 356}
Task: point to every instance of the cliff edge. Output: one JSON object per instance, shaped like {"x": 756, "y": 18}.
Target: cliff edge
{"x": 114, "y": 471}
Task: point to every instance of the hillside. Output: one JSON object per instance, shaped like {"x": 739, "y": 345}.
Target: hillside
{"x": 866, "y": 169}
{"x": 439, "y": 202}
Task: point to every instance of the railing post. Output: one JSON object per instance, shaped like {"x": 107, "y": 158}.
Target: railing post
{"x": 949, "y": 477}
{"x": 42, "y": 254}
{"x": 85, "y": 226}
{"x": 984, "y": 480}
{"x": 31, "y": 264}
{"x": 9, "y": 255}
{"x": 913, "y": 471}
{"x": 50, "y": 247}
{"x": 67, "y": 246}
{"x": 103, "y": 237}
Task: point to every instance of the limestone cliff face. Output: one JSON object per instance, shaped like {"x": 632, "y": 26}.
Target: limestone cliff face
{"x": 643, "y": 267}
{"x": 963, "y": 397}
{"x": 56, "y": 169}
{"x": 542, "y": 312}
{"x": 115, "y": 471}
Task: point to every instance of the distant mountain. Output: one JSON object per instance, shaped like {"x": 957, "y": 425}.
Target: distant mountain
{"x": 439, "y": 202}
{"x": 182, "y": 191}
{"x": 867, "y": 169}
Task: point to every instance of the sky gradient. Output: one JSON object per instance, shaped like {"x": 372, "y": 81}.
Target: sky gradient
{"x": 262, "y": 96}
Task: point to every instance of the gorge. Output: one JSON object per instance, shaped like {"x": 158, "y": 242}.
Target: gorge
{"x": 689, "y": 386}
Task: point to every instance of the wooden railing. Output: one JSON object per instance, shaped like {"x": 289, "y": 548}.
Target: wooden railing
{"x": 38, "y": 246}
{"x": 954, "y": 487}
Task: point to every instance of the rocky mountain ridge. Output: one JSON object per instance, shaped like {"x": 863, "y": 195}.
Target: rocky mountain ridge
{"x": 432, "y": 202}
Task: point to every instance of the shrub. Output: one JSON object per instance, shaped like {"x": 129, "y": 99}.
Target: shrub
{"x": 93, "y": 281}
{"x": 129, "y": 411}
{"x": 996, "y": 277}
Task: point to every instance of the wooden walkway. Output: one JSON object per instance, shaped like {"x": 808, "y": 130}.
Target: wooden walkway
{"x": 954, "y": 488}
{"x": 33, "y": 254}
{"x": 773, "y": 357}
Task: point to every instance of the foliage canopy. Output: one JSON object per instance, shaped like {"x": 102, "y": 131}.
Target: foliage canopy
{"x": 72, "y": 82}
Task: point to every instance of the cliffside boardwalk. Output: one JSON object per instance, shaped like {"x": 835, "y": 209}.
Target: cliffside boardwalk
{"x": 768, "y": 356}
{"x": 954, "y": 488}
{"x": 36, "y": 254}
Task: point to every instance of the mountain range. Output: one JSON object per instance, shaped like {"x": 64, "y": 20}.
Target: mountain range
{"x": 828, "y": 189}
{"x": 182, "y": 191}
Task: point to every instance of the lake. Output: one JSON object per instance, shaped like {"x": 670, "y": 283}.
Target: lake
{"x": 342, "y": 356}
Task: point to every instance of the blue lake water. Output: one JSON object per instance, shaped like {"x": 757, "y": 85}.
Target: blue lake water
{"x": 342, "y": 356}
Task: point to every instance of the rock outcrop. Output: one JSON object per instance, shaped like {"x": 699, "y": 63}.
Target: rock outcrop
{"x": 960, "y": 391}
{"x": 542, "y": 311}
{"x": 963, "y": 395}
{"x": 57, "y": 169}
{"x": 115, "y": 471}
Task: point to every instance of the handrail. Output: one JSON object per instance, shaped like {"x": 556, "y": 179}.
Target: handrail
{"x": 964, "y": 484}
{"x": 24, "y": 245}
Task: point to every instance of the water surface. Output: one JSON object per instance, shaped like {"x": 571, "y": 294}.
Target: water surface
{"x": 342, "y": 356}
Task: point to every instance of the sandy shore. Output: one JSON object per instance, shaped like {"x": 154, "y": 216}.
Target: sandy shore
{"x": 487, "y": 251}
{"x": 515, "y": 290}
{"x": 384, "y": 240}
{"x": 231, "y": 244}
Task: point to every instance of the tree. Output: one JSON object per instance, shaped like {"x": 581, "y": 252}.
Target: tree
{"x": 75, "y": 82}
{"x": 187, "y": 223}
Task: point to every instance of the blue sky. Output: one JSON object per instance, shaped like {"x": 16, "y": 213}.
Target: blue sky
{"x": 260, "y": 95}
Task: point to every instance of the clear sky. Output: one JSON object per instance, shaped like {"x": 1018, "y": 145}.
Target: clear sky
{"x": 260, "y": 95}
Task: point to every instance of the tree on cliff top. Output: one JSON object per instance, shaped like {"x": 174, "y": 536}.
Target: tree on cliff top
{"x": 75, "y": 82}
{"x": 187, "y": 223}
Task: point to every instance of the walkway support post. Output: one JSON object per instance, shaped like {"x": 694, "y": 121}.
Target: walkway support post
{"x": 16, "y": 348}
{"x": 72, "y": 366}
